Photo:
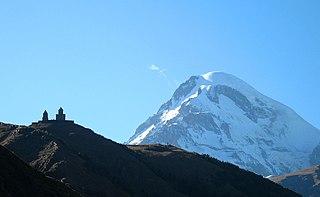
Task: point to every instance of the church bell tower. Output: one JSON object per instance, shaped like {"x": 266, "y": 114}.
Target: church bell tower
{"x": 60, "y": 116}
{"x": 45, "y": 116}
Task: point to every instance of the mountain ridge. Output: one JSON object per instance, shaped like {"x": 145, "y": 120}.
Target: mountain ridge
{"x": 305, "y": 182}
{"x": 95, "y": 166}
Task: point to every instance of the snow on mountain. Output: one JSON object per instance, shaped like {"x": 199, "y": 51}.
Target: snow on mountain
{"x": 221, "y": 115}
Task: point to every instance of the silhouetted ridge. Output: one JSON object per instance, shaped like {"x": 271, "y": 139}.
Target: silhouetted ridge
{"x": 95, "y": 166}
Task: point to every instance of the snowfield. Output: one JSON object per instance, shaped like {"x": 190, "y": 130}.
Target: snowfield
{"x": 221, "y": 115}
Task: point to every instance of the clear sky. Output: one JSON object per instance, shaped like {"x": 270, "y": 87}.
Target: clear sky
{"x": 111, "y": 64}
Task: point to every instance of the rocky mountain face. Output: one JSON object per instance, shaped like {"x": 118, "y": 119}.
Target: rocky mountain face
{"x": 305, "y": 182}
{"x": 315, "y": 156}
{"x": 95, "y": 166}
{"x": 19, "y": 179}
{"x": 221, "y": 115}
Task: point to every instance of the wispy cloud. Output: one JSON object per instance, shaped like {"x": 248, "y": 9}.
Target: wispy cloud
{"x": 161, "y": 72}
{"x": 156, "y": 68}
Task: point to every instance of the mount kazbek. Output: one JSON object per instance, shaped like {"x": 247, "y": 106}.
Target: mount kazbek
{"x": 220, "y": 115}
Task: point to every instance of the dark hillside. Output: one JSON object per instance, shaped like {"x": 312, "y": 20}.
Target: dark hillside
{"x": 19, "y": 179}
{"x": 96, "y": 166}
{"x": 201, "y": 175}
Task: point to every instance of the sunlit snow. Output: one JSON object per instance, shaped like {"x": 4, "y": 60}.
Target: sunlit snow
{"x": 276, "y": 142}
{"x": 140, "y": 137}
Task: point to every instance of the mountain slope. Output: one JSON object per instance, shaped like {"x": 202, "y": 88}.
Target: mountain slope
{"x": 89, "y": 163}
{"x": 19, "y": 179}
{"x": 306, "y": 182}
{"x": 221, "y": 115}
{"x": 95, "y": 166}
{"x": 315, "y": 156}
{"x": 201, "y": 175}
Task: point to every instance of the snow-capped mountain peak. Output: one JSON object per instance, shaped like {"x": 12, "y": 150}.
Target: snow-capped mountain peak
{"x": 221, "y": 115}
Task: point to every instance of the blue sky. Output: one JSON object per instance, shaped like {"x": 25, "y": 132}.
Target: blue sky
{"x": 94, "y": 58}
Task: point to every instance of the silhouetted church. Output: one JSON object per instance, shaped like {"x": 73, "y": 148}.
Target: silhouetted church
{"x": 60, "y": 118}
{"x": 45, "y": 116}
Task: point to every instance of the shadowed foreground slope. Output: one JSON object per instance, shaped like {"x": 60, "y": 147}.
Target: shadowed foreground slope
{"x": 201, "y": 175}
{"x": 19, "y": 179}
{"x": 96, "y": 166}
